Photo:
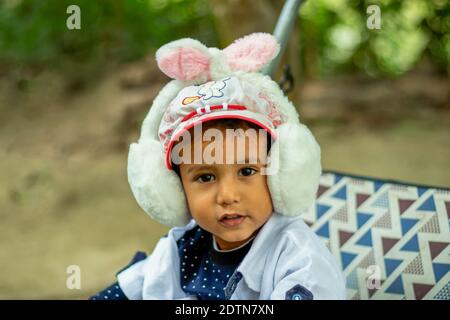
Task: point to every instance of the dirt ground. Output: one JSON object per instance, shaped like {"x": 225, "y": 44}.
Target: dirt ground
{"x": 64, "y": 195}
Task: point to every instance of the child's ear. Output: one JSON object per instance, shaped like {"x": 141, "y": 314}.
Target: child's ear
{"x": 251, "y": 53}
{"x": 184, "y": 59}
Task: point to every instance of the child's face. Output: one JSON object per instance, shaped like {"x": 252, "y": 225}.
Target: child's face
{"x": 213, "y": 190}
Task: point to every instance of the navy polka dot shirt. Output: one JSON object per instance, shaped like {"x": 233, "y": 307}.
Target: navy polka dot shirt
{"x": 113, "y": 292}
{"x": 205, "y": 270}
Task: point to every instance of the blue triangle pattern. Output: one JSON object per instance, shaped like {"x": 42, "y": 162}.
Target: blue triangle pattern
{"x": 341, "y": 193}
{"x": 362, "y": 218}
{"x": 421, "y": 191}
{"x": 412, "y": 245}
{"x": 407, "y": 224}
{"x": 440, "y": 270}
{"x": 324, "y": 230}
{"x": 391, "y": 265}
{"x": 428, "y": 205}
{"x": 366, "y": 239}
{"x": 321, "y": 209}
{"x": 337, "y": 178}
{"x": 377, "y": 185}
{"x": 347, "y": 258}
{"x": 396, "y": 286}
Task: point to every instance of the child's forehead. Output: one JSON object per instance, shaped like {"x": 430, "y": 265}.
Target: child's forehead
{"x": 223, "y": 124}
{"x": 195, "y": 167}
{"x": 221, "y": 165}
{"x": 210, "y": 133}
{"x": 221, "y": 145}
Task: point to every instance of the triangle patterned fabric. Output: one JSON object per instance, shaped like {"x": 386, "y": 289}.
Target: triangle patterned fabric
{"x": 390, "y": 238}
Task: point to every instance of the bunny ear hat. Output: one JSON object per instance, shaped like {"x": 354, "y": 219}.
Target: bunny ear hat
{"x": 295, "y": 153}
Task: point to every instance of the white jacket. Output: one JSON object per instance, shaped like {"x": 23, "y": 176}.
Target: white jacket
{"x": 285, "y": 255}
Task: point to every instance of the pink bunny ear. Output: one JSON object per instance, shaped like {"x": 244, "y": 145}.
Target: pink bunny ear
{"x": 251, "y": 52}
{"x": 184, "y": 59}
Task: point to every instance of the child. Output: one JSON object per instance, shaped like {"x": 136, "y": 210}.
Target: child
{"x": 223, "y": 158}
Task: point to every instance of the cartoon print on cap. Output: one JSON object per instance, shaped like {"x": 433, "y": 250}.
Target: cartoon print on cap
{"x": 212, "y": 89}
{"x": 189, "y": 100}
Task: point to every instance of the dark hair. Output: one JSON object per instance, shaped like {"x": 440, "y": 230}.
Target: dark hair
{"x": 228, "y": 123}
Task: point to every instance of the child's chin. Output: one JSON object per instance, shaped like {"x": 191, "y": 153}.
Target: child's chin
{"x": 236, "y": 236}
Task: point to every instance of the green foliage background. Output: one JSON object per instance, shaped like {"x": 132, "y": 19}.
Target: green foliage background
{"x": 335, "y": 36}
{"x": 333, "y": 33}
{"x": 33, "y": 32}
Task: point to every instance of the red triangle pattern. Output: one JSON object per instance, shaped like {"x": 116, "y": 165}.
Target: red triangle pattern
{"x": 436, "y": 248}
{"x": 360, "y": 198}
{"x": 344, "y": 236}
{"x": 321, "y": 190}
{"x": 404, "y": 205}
{"x": 420, "y": 290}
{"x": 388, "y": 243}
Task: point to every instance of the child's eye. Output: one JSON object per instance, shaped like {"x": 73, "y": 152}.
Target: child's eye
{"x": 205, "y": 178}
{"x": 247, "y": 172}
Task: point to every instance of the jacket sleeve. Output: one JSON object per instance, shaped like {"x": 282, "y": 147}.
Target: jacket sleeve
{"x": 131, "y": 278}
{"x": 307, "y": 271}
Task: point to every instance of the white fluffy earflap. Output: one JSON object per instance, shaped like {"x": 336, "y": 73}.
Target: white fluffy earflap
{"x": 158, "y": 191}
{"x": 295, "y": 156}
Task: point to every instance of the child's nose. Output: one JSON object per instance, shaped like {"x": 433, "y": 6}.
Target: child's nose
{"x": 228, "y": 192}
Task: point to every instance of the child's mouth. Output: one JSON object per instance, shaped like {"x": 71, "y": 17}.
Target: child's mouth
{"x": 232, "y": 220}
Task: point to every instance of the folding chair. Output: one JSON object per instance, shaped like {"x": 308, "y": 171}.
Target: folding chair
{"x": 391, "y": 238}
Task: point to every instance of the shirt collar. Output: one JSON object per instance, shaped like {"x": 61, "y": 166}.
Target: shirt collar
{"x": 253, "y": 265}
{"x": 229, "y": 257}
